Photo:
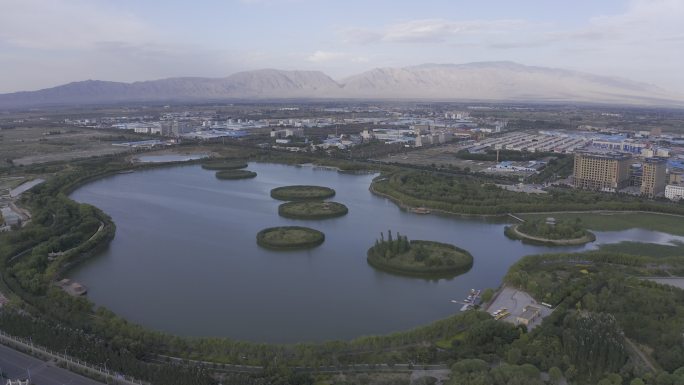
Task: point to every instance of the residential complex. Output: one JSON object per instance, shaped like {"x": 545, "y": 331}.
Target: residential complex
{"x": 674, "y": 192}
{"x": 601, "y": 171}
{"x": 653, "y": 177}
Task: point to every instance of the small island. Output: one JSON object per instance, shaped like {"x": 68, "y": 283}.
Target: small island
{"x": 289, "y": 238}
{"x": 235, "y": 174}
{"x": 302, "y": 193}
{"x": 224, "y": 165}
{"x": 550, "y": 232}
{"x": 418, "y": 258}
{"x": 312, "y": 210}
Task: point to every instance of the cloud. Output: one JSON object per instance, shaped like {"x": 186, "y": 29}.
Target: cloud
{"x": 430, "y": 30}
{"x": 439, "y": 30}
{"x": 645, "y": 22}
{"x": 269, "y": 2}
{"x": 328, "y": 56}
{"x": 360, "y": 36}
{"x": 323, "y": 56}
{"x": 67, "y": 24}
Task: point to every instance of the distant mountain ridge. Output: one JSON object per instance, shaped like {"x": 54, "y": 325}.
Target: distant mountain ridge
{"x": 484, "y": 81}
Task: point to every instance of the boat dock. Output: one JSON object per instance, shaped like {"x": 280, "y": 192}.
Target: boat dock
{"x": 472, "y": 300}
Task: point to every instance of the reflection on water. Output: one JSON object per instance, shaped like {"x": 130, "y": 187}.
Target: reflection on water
{"x": 185, "y": 259}
{"x": 169, "y": 158}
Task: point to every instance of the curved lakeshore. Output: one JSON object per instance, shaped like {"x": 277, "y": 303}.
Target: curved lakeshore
{"x": 289, "y": 238}
{"x": 237, "y": 215}
{"x": 312, "y": 210}
{"x": 238, "y": 221}
{"x": 302, "y": 193}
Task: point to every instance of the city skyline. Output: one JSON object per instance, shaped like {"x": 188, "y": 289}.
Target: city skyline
{"x": 132, "y": 41}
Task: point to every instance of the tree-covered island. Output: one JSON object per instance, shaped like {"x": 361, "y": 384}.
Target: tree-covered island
{"x": 399, "y": 255}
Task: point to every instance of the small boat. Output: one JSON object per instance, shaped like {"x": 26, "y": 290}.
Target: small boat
{"x": 419, "y": 210}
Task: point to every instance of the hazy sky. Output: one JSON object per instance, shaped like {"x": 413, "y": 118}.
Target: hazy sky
{"x": 45, "y": 43}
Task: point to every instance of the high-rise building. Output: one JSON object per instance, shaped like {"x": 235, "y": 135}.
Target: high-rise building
{"x": 653, "y": 179}
{"x": 601, "y": 171}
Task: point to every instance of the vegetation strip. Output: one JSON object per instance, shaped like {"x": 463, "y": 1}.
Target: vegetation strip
{"x": 235, "y": 174}
{"x": 223, "y": 165}
{"x": 477, "y": 195}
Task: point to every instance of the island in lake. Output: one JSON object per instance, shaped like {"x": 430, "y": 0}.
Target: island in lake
{"x": 289, "y": 238}
{"x": 302, "y": 193}
{"x": 235, "y": 174}
{"x": 551, "y": 232}
{"x": 312, "y": 210}
{"x": 418, "y": 258}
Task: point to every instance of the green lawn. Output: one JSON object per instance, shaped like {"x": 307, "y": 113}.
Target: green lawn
{"x": 446, "y": 343}
{"x": 645, "y": 249}
{"x": 621, "y": 221}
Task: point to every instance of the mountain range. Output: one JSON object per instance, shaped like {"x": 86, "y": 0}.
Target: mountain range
{"x": 483, "y": 81}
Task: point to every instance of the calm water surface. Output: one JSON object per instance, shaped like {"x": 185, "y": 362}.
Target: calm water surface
{"x": 170, "y": 158}
{"x": 185, "y": 260}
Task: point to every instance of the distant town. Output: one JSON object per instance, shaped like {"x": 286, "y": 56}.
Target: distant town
{"x": 647, "y": 162}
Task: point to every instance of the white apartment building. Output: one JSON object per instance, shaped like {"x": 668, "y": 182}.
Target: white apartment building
{"x": 674, "y": 192}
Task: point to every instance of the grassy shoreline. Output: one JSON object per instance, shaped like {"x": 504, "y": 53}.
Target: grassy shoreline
{"x": 621, "y": 220}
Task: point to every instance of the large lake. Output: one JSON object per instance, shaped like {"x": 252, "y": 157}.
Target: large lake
{"x": 185, "y": 259}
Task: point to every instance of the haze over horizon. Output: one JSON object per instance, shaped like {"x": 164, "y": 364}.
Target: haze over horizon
{"x": 129, "y": 41}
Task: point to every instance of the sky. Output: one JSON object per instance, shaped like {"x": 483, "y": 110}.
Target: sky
{"x": 44, "y": 43}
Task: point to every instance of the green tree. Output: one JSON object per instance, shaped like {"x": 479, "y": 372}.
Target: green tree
{"x": 555, "y": 375}
{"x": 487, "y": 295}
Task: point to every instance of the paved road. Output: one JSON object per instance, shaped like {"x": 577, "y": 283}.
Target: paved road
{"x": 14, "y": 365}
{"x": 672, "y": 281}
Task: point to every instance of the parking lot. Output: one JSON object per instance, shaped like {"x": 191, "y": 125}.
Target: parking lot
{"x": 515, "y": 302}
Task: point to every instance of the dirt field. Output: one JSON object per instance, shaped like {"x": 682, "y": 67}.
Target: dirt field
{"x": 28, "y": 145}
{"x": 439, "y": 155}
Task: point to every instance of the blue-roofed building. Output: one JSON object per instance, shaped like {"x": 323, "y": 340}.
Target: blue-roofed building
{"x": 673, "y": 164}
{"x": 618, "y": 143}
